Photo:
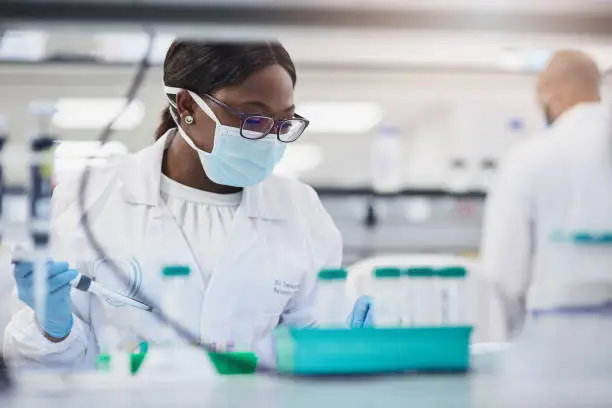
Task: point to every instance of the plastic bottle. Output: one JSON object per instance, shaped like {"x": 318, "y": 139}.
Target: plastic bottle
{"x": 113, "y": 359}
{"x": 171, "y": 356}
{"x": 332, "y": 306}
{"x": 387, "y": 293}
{"x": 458, "y": 178}
{"x": 421, "y": 304}
{"x": 386, "y": 165}
{"x": 175, "y": 284}
{"x": 451, "y": 293}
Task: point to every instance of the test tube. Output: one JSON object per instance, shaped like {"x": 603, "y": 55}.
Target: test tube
{"x": 421, "y": 303}
{"x": 331, "y": 305}
{"x": 451, "y": 282}
{"x": 175, "y": 284}
{"x": 387, "y": 294}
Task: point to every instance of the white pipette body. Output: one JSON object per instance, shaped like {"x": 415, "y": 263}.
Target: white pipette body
{"x": 86, "y": 284}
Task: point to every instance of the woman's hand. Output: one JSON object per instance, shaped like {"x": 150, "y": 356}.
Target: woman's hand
{"x": 58, "y": 314}
{"x": 362, "y": 314}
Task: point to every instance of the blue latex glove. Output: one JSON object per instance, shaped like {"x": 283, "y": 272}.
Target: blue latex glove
{"x": 362, "y": 314}
{"x": 58, "y": 319}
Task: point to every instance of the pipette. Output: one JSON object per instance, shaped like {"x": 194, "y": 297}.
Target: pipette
{"x": 86, "y": 284}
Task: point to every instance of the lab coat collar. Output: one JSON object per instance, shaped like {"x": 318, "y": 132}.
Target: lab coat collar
{"x": 140, "y": 176}
{"x": 581, "y": 112}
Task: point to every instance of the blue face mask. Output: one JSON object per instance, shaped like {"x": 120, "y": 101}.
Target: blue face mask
{"x": 234, "y": 161}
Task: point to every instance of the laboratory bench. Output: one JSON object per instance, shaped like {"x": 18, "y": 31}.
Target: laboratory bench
{"x": 483, "y": 387}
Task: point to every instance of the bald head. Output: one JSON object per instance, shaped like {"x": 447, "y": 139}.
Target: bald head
{"x": 570, "y": 78}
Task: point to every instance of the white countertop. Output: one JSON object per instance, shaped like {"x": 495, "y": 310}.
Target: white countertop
{"x": 484, "y": 388}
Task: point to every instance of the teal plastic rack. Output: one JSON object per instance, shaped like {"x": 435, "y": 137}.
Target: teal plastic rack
{"x": 314, "y": 351}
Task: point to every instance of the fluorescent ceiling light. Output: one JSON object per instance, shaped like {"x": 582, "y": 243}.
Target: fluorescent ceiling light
{"x": 341, "y": 117}
{"x": 533, "y": 60}
{"x": 299, "y": 158}
{"x": 71, "y": 156}
{"x": 67, "y": 149}
{"x": 95, "y": 113}
{"x": 23, "y": 45}
{"x": 160, "y": 47}
{"x": 122, "y": 47}
{"x": 131, "y": 47}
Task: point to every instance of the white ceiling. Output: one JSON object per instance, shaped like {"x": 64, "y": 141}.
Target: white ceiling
{"x": 343, "y": 48}
{"x": 555, "y": 6}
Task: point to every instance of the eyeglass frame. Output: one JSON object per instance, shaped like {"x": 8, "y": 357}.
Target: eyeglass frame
{"x": 275, "y": 123}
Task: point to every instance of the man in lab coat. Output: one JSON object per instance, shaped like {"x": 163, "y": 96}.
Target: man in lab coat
{"x": 549, "y": 188}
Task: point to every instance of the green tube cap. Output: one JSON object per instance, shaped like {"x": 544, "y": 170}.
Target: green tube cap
{"x": 103, "y": 362}
{"x": 333, "y": 274}
{"x": 420, "y": 272}
{"x": 452, "y": 272}
{"x": 387, "y": 272}
{"x": 172, "y": 271}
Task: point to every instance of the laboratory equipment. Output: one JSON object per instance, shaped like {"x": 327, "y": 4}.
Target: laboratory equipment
{"x": 458, "y": 176}
{"x": 175, "y": 282}
{"x": 421, "y": 303}
{"x": 451, "y": 288}
{"x": 113, "y": 358}
{"x": 41, "y": 148}
{"x": 488, "y": 167}
{"x": 313, "y": 351}
{"x": 387, "y": 295}
{"x": 86, "y": 284}
{"x": 332, "y": 305}
{"x": 5, "y": 380}
{"x": 386, "y": 165}
{"x": 3, "y": 139}
{"x": 171, "y": 355}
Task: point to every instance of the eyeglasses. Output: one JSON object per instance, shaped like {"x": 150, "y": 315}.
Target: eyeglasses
{"x": 255, "y": 127}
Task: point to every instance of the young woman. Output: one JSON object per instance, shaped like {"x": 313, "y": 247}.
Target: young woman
{"x": 204, "y": 196}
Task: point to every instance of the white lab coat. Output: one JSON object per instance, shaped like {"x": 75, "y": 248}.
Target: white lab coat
{"x": 280, "y": 238}
{"x": 556, "y": 182}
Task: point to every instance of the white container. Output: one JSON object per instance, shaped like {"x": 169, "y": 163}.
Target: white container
{"x": 388, "y": 297}
{"x": 386, "y": 161}
{"x": 175, "y": 284}
{"x": 172, "y": 356}
{"x": 113, "y": 358}
{"x": 458, "y": 177}
{"x": 176, "y": 362}
{"x": 332, "y": 306}
{"x": 451, "y": 292}
{"x": 421, "y": 305}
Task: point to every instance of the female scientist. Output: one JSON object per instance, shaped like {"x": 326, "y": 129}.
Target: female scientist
{"x": 203, "y": 195}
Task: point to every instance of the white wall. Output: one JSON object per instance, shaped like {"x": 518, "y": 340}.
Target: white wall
{"x": 441, "y": 115}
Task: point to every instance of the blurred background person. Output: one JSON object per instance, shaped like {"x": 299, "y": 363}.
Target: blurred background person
{"x": 552, "y": 191}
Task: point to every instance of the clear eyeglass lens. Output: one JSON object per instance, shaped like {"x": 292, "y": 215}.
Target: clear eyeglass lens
{"x": 291, "y": 129}
{"x": 255, "y": 127}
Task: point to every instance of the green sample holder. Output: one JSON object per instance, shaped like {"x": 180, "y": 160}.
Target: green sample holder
{"x": 138, "y": 357}
{"x": 231, "y": 363}
{"x": 313, "y": 351}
